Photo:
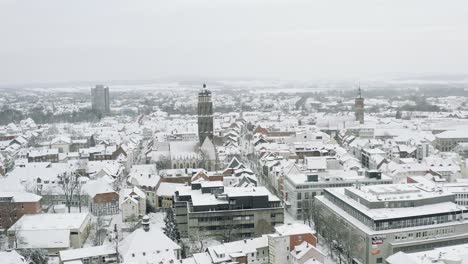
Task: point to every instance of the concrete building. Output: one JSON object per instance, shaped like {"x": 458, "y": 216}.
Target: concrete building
{"x": 205, "y": 115}
{"x": 53, "y": 232}
{"x": 165, "y": 194}
{"x": 100, "y": 101}
{"x": 449, "y": 140}
{"x": 300, "y": 189}
{"x": 444, "y": 255}
{"x": 391, "y": 218}
{"x": 208, "y": 209}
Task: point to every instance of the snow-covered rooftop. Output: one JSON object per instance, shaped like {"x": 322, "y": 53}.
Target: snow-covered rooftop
{"x": 50, "y": 221}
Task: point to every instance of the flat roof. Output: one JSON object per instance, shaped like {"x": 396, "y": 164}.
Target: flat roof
{"x": 331, "y": 176}
{"x": 199, "y": 198}
{"x": 72, "y": 254}
{"x": 395, "y": 213}
{"x": 369, "y": 231}
{"x": 50, "y": 221}
{"x": 395, "y": 192}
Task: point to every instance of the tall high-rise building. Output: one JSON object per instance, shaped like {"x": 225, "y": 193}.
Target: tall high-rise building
{"x": 205, "y": 115}
{"x": 100, "y": 99}
{"x": 359, "y": 107}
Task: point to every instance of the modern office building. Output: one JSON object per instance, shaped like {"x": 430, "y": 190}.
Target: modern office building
{"x": 208, "y": 209}
{"x": 387, "y": 219}
{"x": 100, "y": 101}
{"x": 205, "y": 115}
{"x": 300, "y": 189}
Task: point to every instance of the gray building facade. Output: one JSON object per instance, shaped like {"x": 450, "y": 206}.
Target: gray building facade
{"x": 226, "y": 213}
{"x": 100, "y": 101}
{"x": 387, "y": 219}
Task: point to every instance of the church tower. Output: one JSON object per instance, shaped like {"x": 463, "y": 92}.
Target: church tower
{"x": 359, "y": 107}
{"x": 205, "y": 115}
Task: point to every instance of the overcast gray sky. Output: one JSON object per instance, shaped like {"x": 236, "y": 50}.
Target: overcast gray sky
{"x": 85, "y": 40}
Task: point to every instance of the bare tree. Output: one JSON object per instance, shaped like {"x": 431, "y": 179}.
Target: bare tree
{"x": 315, "y": 212}
{"x": 163, "y": 163}
{"x": 69, "y": 184}
{"x": 79, "y": 190}
{"x": 98, "y": 231}
{"x": 196, "y": 243}
{"x": 35, "y": 255}
{"x": 203, "y": 160}
{"x": 307, "y": 210}
{"x": 229, "y": 232}
{"x": 351, "y": 242}
{"x": 263, "y": 227}
{"x": 9, "y": 213}
{"x": 115, "y": 240}
{"x": 339, "y": 238}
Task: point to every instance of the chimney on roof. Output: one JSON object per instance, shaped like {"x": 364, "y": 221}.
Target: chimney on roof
{"x": 145, "y": 223}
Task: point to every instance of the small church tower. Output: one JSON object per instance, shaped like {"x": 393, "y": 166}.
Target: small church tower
{"x": 205, "y": 115}
{"x": 359, "y": 107}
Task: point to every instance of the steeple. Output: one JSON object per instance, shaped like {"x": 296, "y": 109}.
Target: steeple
{"x": 359, "y": 106}
{"x": 205, "y": 115}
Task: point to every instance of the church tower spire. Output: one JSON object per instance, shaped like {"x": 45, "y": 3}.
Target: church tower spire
{"x": 359, "y": 107}
{"x": 205, "y": 115}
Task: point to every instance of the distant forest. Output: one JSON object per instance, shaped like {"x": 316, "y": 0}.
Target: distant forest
{"x": 9, "y": 115}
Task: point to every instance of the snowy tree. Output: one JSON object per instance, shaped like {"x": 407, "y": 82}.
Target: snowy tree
{"x": 69, "y": 184}
{"x": 163, "y": 163}
{"x": 9, "y": 213}
{"x": 170, "y": 227}
{"x": 34, "y": 255}
{"x": 98, "y": 231}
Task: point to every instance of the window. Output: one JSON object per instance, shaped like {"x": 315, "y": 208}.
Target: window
{"x": 379, "y": 260}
